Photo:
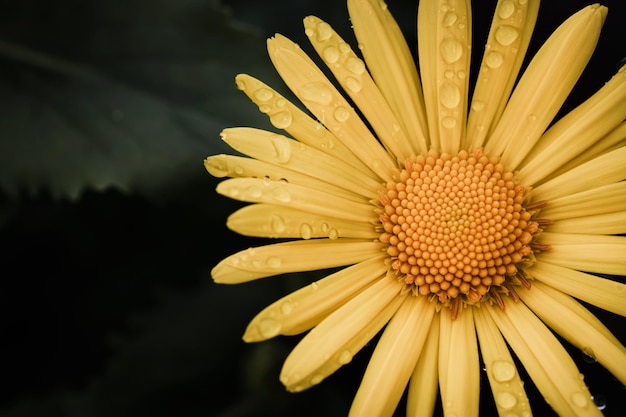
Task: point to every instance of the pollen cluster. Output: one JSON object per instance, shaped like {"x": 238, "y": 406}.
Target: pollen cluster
{"x": 455, "y": 226}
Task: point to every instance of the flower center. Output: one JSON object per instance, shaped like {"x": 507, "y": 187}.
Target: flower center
{"x": 456, "y": 226}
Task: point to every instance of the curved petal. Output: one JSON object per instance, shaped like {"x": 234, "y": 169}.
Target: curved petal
{"x": 305, "y": 308}
{"x": 578, "y": 326}
{"x": 297, "y": 256}
{"x": 543, "y": 88}
{"x": 501, "y": 63}
{"x": 506, "y": 384}
{"x": 609, "y": 198}
{"x": 459, "y": 373}
{"x": 606, "y": 223}
{"x": 423, "y": 388}
{"x": 341, "y": 335}
{"x": 544, "y": 358}
{"x": 391, "y": 64}
{"x": 444, "y": 32}
{"x": 394, "y": 359}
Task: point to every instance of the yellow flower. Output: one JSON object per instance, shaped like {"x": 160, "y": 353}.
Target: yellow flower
{"x": 458, "y": 224}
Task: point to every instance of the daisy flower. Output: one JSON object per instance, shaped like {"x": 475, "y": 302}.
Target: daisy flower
{"x": 452, "y": 224}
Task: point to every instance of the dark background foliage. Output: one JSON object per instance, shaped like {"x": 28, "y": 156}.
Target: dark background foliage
{"x": 109, "y": 225}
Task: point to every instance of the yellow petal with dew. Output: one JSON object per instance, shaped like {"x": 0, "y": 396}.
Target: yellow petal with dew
{"x": 606, "y": 223}
{"x": 423, "y": 387}
{"x": 296, "y": 256}
{"x": 350, "y": 72}
{"x": 444, "y": 32}
{"x": 606, "y": 199}
{"x": 308, "y": 306}
{"x": 605, "y": 169}
{"x": 577, "y": 131}
{"x": 285, "y": 115}
{"x": 578, "y": 326}
{"x": 334, "y": 342}
{"x": 391, "y": 64}
{"x": 262, "y": 190}
{"x": 268, "y": 220}
{"x": 506, "y": 384}
{"x": 510, "y": 33}
{"x": 319, "y": 95}
{"x": 280, "y": 150}
{"x": 591, "y": 253}
{"x": 600, "y": 292}
{"x": 459, "y": 372}
{"x": 545, "y": 85}
{"x": 394, "y": 359}
{"x": 544, "y": 358}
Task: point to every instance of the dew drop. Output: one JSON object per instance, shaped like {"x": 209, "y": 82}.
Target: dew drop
{"x": 532, "y": 118}
{"x": 493, "y": 59}
{"x": 448, "y": 122}
{"x": 240, "y": 84}
{"x": 331, "y": 54}
{"x": 281, "y": 194}
{"x": 286, "y": 308}
{"x": 269, "y": 327}
{"x": 506, "y": 35}
{"x": 324, "y": 31}
{"x": 253, "y": 192}
{"x": 298, "y": 388}
{"x": 451, "y": 50}
{"x": 314, "y": 286}
{"x": 600, "y": 401}
{"x": 264, "y": 108}
{"x": 355, "y": 65}
{"x": 449, "y": 19}
{"x": 461, "y": 75}
{"x": 448, "y": 74}
{"x": 274, "y": 262}
{"x": 506, "y": 400}
{"x": 478, "y": 105}
{"x": 281, "y": 120}
{"x": 217, "y": 166}
{"x": 316, "y": 379}
{"x": 589, "y": 355}
{"x": 502, "y": 371}
{"x": 325, "y": 227}
{"x": 382, "y": 5}
{"x": 506, "y": 9}
{"x": 341, "y": 114}
{"x": 238, "y": 170}
{"x": 333, "y": 234}
{"x": 263, "y": 94}
{"x": 344, "y": 48}
{"x": 281, "y": 102}
{"x": 345, "y": 357}
{"x": 579, "y": 399}
{"x": 317, "y": 92}
{"x": 353, "y": 84}
{"x": 277, "y": 223}
{"x": 306, "y": 231}
{"x": 282, "y": 148}
{"x": 450, "y": 95}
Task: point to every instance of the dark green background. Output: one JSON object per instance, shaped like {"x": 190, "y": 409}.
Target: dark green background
{"x": 109, "y": 225}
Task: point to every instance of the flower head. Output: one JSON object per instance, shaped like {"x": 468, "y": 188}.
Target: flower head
{"x": 455, "y": 223}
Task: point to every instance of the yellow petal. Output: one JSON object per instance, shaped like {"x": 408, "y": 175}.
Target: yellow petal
{"x": 300, "y": 255}
{"x": 600, "y": 292}
{"x": 545, "y": 84}
{"x": 268, "y": 220}
{"x": 607, "y": 223}
{"x": 341, "y": 335}
{"x": 606, "y": 199}
{"x": 578, "y": 326}
{"x": 285, "y": 115}
{"x": 590, "y": 253}
{"x": 444, "y": 31}
{"x": 506, "y": 385}
{"x": 423, "y": 388}
{"x": 319, "y": 95}
{"x": 391, "y": 64}
{"x": 577, "y": 131}
{"x": 305, "y": 308}
{"x": 544, "y": 358}
{"x": 500, "y": 66}
{"x": 459, "y": 373}
{"x": 351, "y": 74}
{"x": 394, "y": 359}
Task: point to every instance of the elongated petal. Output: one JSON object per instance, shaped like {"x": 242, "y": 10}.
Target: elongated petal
{"x": 341, "y": 335}
{"x": 305, "y": 308}
{"x": 607, "y": 223}
{"x": 262, "y": 190}
{"x": 394, "y": 359}
{"x": 506, "y": 384}
{"x": 610, "y": 198}
{"x": 578, "y": 130}
{"x": 605, "y": 169}
{"x": 544, "y": 358}
{"x": 444, "y": 31}
{"x": 268, "y": 220}
{"x": 280, "y": 150}
{"x": 285, "y": 115}
{"x": 578, "y": 326}
{"x": 508, "y": 40}
{"x": 351, "y": 74}
{"x": 319, "y": 95}
{"x": 391, "y": 64}
{"x": 590, "y": 253}
{"x": 601, "y": 292}
{"x": 423, "y": 388}
{"x": 297, "y": 256}
{"x": 459, "y": 373}
{"x": 545, "y": 85}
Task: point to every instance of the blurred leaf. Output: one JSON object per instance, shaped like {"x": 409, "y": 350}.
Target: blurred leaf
{"x": 119, "y": 93}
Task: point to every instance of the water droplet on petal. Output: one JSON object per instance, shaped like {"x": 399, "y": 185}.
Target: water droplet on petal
{"x": 448, "y": 122}
{"x": 345, "y": 357}
{"x": 382, "y": 4}
{"x": 341, "y": 114}
{"x": 506, "y": 400}
{"x": 316, "y": 379}
{"x": 579, "y": 399}
{"x": 449, "y": 19}
{"x": 588, "y": 355}
{"x": 286, "y": 308}
{"x": 353, "y": 84}
{"x": 282, "y": 148}
{"x": 240, "y": 84}
{"x": 333, "y": 234}
{"x": 502, "y": 371}
{"x": 264, "y": 108}
{"x": 493, "y": 59}
{"x": 277, "y": 223}
{"x": 324, "y": 31}
{"x": 478, "y": 105}
{"x": 451, "y": 50}
{"x": 238, "y": 170}
{"x": 306, "y": 231}
{"x": 600, "y": 401}
{"x": 344, "y": 48}
{"x": 450, "y": 95}
{"x": 506, "y": 35}
{"x": 254, "y": 192}
{"x": 317, "y": 92}
{"x": 263, "y": 94}
{"x": 274, "y": 262}
{"x": 331, "y": 54}
{"x": 324, "y": 227}
{"x": 355, "y": 65}
{"x": 281, "y": 120}
{"x": 281, "y": 194}
{"x": 281, "y": 102}
{"x": 269, "y": 328}
{"x": 506, "y": 9}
